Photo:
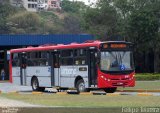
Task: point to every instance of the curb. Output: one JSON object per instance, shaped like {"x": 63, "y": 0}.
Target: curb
{"x": 144, "y": 94}
{"x": 113, "y": 94}
{"x": 86, "y": 93}
{"x": 138, "y": 90}
{"x": 35, "y": 93}
{"x": 61, "y": 93}
{"x": 13, "y": 92}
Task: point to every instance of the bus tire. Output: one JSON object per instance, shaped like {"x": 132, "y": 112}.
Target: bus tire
{"x": 35, "y": 84}
{"x": 110, "y": 90}
{"x": 80, "y": 86}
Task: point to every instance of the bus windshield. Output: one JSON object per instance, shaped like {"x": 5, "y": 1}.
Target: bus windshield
{"x": 116, "y": 61}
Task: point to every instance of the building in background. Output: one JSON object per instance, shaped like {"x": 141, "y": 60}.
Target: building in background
{"x": 30, "y": 5}
{"x": 37, "y": 5}
{"x": 54, "y": 4}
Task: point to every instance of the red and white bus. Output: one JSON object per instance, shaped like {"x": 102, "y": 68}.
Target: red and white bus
{"x": 93, "y": 64}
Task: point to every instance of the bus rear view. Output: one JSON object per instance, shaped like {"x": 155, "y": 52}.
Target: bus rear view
{"x": 116, "y": 67}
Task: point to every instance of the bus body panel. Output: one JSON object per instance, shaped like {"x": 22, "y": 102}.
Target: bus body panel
{"x": 16, "y": 75}
{"x": 65, "y": 76}
{"x": 43, "y": 73}
{"x": 68, "y": 75}
{"x": 82, "y": 71}
{"x": 56, "y": 77}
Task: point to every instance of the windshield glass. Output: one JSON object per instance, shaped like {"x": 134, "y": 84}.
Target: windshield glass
{"x": 116, "y": 61}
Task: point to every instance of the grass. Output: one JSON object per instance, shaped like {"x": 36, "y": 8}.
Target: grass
{"x": 147, "y": 76}
{"x": 87, "y": 100}
{"x": 146, "y": 85}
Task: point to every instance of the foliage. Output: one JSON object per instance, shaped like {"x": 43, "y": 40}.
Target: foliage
{"x": 73, "y": 6}
{"x": 50, "y": 23}
{"x": 72, "y": 24}
{"x": 5, "y": 11}
{"x": 102, "y": 21}
{"x": 143, "y": 26}
{"x": 24, "y": 22}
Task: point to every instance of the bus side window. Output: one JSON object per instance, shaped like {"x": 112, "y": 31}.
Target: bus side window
{"x": 15, "y": 60}
{"x": 80, "y": 56}
{"x": 67, "y": 57}
{"x": 80, "y": 61}
{"x": 67, "y": 61}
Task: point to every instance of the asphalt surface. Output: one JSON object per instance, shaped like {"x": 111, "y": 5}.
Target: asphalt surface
{"x": 8, "y": 87}
{"x": 14, "y": 103}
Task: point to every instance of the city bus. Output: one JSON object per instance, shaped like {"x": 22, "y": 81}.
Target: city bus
{"x": 81, "y": 66}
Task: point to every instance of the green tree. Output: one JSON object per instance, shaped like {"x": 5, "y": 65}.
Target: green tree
{"x": 5, "y": 11}
{"x": 73, "y": 6}
{"x": 72, "y": 24}
{"x": 102, "y": 20}
{"x": 24, "y": 21}
{"x": 143, "y": 29}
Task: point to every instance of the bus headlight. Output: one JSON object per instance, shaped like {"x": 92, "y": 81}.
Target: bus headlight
{"x": 102, "y": 76}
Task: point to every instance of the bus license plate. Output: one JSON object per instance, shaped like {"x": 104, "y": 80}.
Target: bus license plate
{"x": 119, "y": 83}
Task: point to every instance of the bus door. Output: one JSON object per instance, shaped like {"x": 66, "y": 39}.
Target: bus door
{"x": 23, "y": 62}
{"x": 92, "y": 54}
{"x": 55, "y": 78}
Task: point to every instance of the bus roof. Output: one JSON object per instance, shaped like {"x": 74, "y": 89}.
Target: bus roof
{"x": 57, "y": 46}
{"x": 89, "y": 43}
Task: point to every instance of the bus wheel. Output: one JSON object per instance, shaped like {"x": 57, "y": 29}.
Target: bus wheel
{"x": 80, "y": 86}
{"x": 110, "y": 90}
{"x": 35, "y": 84}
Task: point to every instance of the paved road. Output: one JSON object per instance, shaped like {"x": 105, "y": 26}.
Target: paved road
{"x": 8, "y": 87}
{"x": 14, "y": 103}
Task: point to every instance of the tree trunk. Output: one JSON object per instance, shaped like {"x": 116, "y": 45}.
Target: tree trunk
{"x": 156, "y": 62}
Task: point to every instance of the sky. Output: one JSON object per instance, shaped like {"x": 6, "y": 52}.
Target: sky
{"x": 87, "y": 2}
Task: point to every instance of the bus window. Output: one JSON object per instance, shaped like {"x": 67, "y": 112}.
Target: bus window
{"x": 80, "y": 56}
{"x": 15, "y": 60}
{"x": 67, "y": 57}
{"x": 82, "y": 52}
{"x": 67, "y": 61}
{"x": 38, "y": 59}
{"x": 79, "y": 52}
{"x": 80, "y": 61}
{"x": 67, "y": 53}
